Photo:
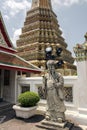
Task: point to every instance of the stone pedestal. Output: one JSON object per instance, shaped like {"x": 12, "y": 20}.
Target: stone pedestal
{"x": 52, "y": 125}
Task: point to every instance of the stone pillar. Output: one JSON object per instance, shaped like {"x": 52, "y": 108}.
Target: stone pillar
{"x": 81, "y": 58}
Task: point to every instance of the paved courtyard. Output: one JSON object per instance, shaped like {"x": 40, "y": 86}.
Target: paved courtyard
{"x": 20, "y": 124}
{"x": 11, "y": 122}
{"x": 34, "y": 123}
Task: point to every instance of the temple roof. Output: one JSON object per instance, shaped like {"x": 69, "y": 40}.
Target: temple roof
{"x": 13, "y": 61}
{"x": 6, "y": 42}
{"x": 8, "y": 58}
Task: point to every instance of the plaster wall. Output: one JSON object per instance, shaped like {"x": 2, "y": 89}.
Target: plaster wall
{"x": 35, "y": 82}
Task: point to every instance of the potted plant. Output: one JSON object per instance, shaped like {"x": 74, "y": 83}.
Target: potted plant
{"x": 27, "y": 104}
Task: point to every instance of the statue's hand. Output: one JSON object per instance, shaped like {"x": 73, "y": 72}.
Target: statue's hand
{"x": 58, "y": 85}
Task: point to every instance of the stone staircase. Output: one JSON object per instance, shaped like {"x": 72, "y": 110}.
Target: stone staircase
{"x": 50, "y": 125}
{"x": 6, "y": 111}
{"x": 5, "y": 106}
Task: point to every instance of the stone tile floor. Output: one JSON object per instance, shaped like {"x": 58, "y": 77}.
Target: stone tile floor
{"x": 20, "y": 124}
{"x": 10, "y": 122}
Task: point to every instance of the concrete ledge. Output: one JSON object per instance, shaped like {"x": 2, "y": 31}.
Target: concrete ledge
{"x": 78, "y": 118}
{"x": 82, "y": 111}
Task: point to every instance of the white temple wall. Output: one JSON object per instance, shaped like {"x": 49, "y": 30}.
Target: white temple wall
{"x": 75, "y": 88}
{"x": 82, "y": 84}
{"x": 35, "y": 82}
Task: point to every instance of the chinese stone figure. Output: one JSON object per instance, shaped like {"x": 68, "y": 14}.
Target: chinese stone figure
{"x": 53, "y": 84}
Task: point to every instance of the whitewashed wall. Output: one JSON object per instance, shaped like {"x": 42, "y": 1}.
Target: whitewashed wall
{"x": 72, "y": 111}
{"x": 35, "y": 82}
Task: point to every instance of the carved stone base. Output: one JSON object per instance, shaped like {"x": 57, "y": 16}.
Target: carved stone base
{"x": 52, "y": 125}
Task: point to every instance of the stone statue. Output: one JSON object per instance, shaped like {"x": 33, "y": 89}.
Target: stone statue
{"x": 53, "y": 85}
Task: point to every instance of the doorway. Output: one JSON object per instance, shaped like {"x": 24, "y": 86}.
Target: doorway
{"x": 1, "y": 99}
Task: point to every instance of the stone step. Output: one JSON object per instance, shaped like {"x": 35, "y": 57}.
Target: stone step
{"x": 51, "y": 125}
{"x": 5, "y": 106}
{"x": 7, "y": 115}
{"x": 44, "y": 127}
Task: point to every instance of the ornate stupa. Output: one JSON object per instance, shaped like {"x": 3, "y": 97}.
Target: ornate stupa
{"x": 41, "y": 30}
{"x": 80, "y": 50}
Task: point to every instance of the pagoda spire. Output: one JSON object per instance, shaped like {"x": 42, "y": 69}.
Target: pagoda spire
{"x": 42, "y": 4}
{"x": 41, "y": 29}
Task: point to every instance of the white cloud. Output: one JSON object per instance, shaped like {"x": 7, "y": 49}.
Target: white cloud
{"x": 67, "y": 2}
{"x": 70, "y": 2}
{"x": 16, "y": 36}
{"x": 6, "y": 17}
{"x": 57, "y": 2}
{"x": 15, "y": 7}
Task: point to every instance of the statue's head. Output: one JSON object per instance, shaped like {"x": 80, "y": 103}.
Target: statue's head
{"x": 51, "y": 65}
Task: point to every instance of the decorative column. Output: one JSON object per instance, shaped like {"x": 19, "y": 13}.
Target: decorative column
{"x": 81, "y": 57}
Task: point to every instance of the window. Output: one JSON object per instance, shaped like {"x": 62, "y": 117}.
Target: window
{"x": 25, "y": 89}
{"x": 6, "y": 77}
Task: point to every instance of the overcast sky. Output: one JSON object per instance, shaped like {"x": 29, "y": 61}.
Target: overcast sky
{"x": 71, "y": 15}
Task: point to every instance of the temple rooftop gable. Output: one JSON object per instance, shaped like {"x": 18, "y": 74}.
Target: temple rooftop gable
{"x": 8, "y": 58}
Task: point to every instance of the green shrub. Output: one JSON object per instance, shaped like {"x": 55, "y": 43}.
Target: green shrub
{"x": 28, "y": 99}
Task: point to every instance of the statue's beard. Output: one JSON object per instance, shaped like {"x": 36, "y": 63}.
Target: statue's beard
{"x": 52, "y": 73}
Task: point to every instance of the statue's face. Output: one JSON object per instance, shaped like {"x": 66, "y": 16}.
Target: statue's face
{"x": 51, "y": 68}
{"x": 51, "y": 65}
